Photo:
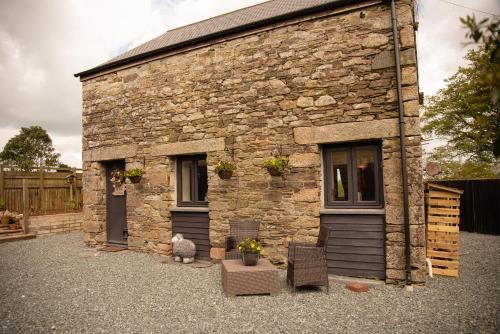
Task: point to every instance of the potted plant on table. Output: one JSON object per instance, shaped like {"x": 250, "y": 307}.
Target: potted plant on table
{"x": 276, "y": 165}
{"x": 225, "y": 169}
{"x": 134, "y": 174}
{"x": 250, "y": 250}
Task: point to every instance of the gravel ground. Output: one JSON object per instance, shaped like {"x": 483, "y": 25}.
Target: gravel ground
{"x": 56, "y": 285}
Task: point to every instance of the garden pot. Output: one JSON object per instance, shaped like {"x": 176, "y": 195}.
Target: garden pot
{"x": 225, "y": 174}
{"x": 250, "y": 259}
{"x": 13, "y": 226}
{"x": 5, "y": 220}
{"x": 274, "y": 172}
{"x": 135, "y": 179}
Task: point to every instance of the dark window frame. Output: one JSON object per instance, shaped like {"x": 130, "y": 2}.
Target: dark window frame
{"x": 351, "y": 149}
{"x": 195, "y": 202}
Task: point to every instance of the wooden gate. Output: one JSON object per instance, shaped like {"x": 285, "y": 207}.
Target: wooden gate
{"x": 443, "y": 234}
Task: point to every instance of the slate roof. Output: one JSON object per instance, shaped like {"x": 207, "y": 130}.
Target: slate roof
{"x": 265, "y": 13}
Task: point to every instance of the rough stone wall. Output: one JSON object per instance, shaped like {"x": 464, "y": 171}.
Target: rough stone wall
{"x": 49, "y": 224}
{"x": 324, "y": 79}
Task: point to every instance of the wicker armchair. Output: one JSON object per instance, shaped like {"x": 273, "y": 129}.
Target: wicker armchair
{"x": 238, "y": 232}
{"x": 307, "y": 263}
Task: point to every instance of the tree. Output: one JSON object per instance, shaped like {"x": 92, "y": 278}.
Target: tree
{"x": 464, "y": 114}
{"x": 487, "y": 33}
{"x": 32, "y": 147}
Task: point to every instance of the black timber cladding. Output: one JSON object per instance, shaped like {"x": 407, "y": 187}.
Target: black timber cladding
{"x": 195, "y": 227}
{"x": 355, "y": 245}
{"x": 241, "y": 20}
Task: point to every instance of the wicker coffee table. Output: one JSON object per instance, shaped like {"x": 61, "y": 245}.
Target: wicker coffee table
{"x": 238, "y": 279}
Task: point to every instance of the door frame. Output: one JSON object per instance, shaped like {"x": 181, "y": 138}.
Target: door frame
{"x": 109, "y": 191}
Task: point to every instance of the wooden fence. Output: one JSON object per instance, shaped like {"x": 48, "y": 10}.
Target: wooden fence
{"x": 479, "y": 205}
{"x": 41, "y": 191}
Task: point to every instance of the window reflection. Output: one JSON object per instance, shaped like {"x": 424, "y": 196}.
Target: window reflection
{"x": 202, "y": 180}
{"x": 186, "y": 181}
{"x": 365, "y": 170}
{"x": 340, "y": 182}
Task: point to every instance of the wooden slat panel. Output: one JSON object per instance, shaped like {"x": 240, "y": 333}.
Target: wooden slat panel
{"x": 358, "y": 235}
{"x": 443, "y": 194}
{"x": 355, "y": 242}
{"x": 438, "y": 219}
{"x": 356, "y": 250}
{"x": 443, "y": 228}
{"x": 355, "y": 245}
{"x": 377, "y": 274}
{"x": 198, "y": 225}
{"x": 356, "y": 257}
{"x": 442, "y": 254}
{"x": 444, "y": 202}
{"x": 449, "y": 264}
{"x": 357, "y": 227}
{"x": 195, "y": 227}
{"x": 445, "y": 272}
{"x": 354, "y": 265}
{"x": 444, "y": 211}
{"x": 443, "y": 236}
{"x": 442, "y": 246}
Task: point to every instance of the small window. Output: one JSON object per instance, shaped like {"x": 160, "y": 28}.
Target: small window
{"x": 353, "y": 176}
{"x": 192, "y": 181}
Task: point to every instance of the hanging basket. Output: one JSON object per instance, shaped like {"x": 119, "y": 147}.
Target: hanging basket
{"x": 274, "y": 171}
{"x": 135, "y": 179}
{"x": 225, "y": 174}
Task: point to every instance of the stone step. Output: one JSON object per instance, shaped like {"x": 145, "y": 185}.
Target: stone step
{"x": 16, "y": 236}
{"x": 4, "y": 231}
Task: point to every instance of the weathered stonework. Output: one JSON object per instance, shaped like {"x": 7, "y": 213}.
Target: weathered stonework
{"x": 321, "y": 79}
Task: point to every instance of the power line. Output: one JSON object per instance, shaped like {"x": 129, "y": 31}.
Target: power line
{"x": 470, "y": 8}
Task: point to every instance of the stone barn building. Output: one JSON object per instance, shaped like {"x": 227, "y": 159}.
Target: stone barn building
{"x": 318, "y": 81}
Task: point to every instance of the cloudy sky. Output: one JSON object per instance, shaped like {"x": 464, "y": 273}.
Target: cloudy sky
{"x": 44, "y": 42}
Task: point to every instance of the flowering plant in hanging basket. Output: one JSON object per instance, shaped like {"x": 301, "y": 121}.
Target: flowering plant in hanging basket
{"x": 250, "y": 251}
{"x": 276, "y": 166}
{"x": 225, "y": 169}
{"x": 134, "y": 174}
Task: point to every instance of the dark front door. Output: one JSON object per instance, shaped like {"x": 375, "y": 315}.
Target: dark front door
{"x": 116, "y": 199}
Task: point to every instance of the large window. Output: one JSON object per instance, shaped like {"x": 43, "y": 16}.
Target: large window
{"x": 353, "y": 176}
{"x": 192, "y": 180}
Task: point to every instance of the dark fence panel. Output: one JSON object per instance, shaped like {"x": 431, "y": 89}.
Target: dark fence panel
{"x": 479, "y": 204}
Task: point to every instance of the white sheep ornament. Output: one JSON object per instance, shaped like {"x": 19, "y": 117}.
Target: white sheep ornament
{"x": 183, "y": 250}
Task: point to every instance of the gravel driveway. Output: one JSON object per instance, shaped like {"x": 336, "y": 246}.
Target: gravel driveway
{"x": 56, "y": 285}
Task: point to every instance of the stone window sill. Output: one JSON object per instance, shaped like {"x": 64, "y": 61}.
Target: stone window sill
{"x": 189, "y": 209}
{"x": 360, "y": 211}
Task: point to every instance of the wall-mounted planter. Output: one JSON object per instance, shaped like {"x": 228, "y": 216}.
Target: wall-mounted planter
{"x": 225, "y": 174}
{"x": 274, "y": 171}
{"x": 276, "y": 166}
{"x": 134, "y": 175}
{"x": 135, "y": 179}
{"x": 225, "y": 169}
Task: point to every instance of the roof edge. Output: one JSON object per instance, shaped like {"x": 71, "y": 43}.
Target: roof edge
{"x": 215, "y": 35}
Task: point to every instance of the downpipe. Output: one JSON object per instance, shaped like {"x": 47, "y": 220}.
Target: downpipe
{"x": 402, "y": 145}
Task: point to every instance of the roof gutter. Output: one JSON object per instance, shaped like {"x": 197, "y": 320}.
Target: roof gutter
{"x": 215, "y": 35}
{"x": 402, "y": 146}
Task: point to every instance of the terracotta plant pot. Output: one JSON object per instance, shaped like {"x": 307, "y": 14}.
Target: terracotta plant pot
{"x": 13, "y": 226}
{"x": 274, "y": 172}
{"x": 225, "y": 174}
{"x": 5, "y": 220}
{"x": 135, "y": 179}
{"x": 250, "y": 259}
